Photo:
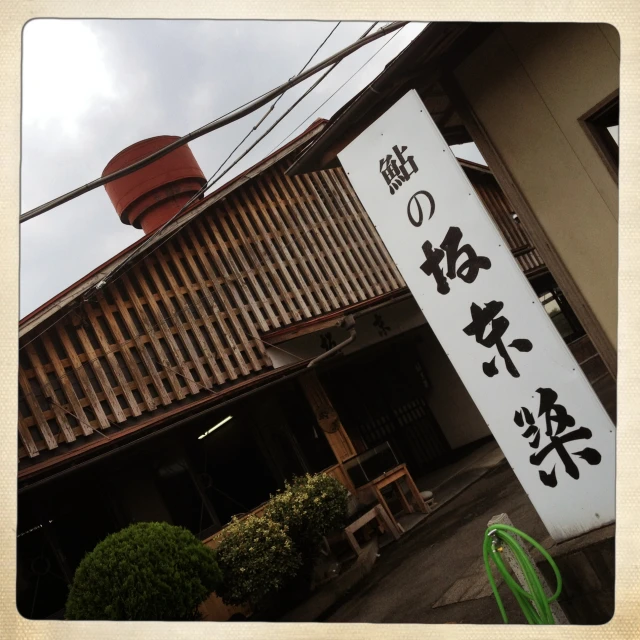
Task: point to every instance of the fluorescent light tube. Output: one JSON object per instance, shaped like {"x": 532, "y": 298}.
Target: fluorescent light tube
{"x": 206, "y": 433}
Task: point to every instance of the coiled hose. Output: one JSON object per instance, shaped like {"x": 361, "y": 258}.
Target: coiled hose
{"x": 534, "y": 603}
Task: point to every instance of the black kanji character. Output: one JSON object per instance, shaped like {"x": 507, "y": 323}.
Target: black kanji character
{"x": 379, "y": 323}
{"x": 481, "y": 318}
{"x": 394, "y": 170}
{"x": 326, "y": 341}
{"x": 450, "y": 246}
{"x": 555, "y": 413}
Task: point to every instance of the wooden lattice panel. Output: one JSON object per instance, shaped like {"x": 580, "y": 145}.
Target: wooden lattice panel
{"x": 187, "y": 317}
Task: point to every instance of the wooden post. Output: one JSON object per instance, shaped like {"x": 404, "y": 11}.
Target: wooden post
{"x": 557, "y": 612}
{"x": 327, "y": 417}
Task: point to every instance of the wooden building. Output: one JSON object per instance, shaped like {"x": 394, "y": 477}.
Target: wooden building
{"x": 541, "y": 103}
{"x": 182, "y": 380}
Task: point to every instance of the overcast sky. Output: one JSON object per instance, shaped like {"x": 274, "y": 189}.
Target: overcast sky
{"x": 93, "y": 87}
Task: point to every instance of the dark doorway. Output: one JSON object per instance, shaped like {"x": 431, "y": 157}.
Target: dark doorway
{"x": 382, "y": 397}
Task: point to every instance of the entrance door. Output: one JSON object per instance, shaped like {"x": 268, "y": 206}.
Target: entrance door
{"x": 383, "y": 398}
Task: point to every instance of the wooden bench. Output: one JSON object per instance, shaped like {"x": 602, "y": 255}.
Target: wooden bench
{"x": 384, "y": 523}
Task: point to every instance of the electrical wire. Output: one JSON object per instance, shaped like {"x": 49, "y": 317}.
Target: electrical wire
{"x": 340, "y": 87}
{"x": 89, "y": 295}
{"x": 213, "y": 180}
{"x": 189, "y": 305}
{"x": 141, "y": 248}
{"x": 271, "y": 108}
{"x": 228, "y": 118}
{"x": 281, "y": 118}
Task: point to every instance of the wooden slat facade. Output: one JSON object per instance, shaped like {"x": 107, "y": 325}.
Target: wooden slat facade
{"x": 503, "y": 215}
{"x": 187, "y": 318}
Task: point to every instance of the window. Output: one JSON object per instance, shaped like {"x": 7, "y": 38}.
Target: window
{"x": 561, "y": 315}
{"x": 601, "y": 125}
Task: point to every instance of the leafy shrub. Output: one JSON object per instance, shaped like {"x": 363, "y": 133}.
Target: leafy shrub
{"x": 309, "y": 508}
{"x": 147, "y": 571}
{"x": 257, "y": 558}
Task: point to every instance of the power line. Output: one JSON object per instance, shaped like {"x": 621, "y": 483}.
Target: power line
{"x": 281, "y": 118}
{"x": 232, "y": 116}
{"x": 213, "y": 180}
{"x": 140, "y": 249}
{"x": 342, "y": 85}
{"x": 271, "y": 108}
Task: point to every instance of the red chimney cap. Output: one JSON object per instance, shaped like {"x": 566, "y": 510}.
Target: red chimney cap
{"x": 151, "y": 196}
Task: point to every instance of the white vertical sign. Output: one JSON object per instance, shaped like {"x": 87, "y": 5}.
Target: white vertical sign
{"x": 533, "y": 395}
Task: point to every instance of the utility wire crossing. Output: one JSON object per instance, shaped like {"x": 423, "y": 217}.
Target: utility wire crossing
{"x": 220, "y": 122}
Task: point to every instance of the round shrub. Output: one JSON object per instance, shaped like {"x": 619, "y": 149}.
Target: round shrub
{"x": 257, "y": 558}
{"x": 147, "y": 571}
{"x": 309, "y": 508}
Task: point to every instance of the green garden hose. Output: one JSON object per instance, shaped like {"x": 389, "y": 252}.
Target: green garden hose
{"x": 534, "y": 603}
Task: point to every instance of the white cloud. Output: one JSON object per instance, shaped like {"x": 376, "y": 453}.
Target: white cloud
{"x": 93, "y": 87}
{"x": 65, "y": 72}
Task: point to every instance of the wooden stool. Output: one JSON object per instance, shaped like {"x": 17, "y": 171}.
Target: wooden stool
{"x": 393, "y": 478}
{"x": 384, "y": 523}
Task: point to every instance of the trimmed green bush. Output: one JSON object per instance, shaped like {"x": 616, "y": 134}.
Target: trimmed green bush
{"x": 257, "y": 559}
{"x": 309, "y": 508}
{"x": 147, "y": 571}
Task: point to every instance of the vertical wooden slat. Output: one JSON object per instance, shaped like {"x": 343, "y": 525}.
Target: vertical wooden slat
{"x": 378, "y": 271}
{"x": 195, "y": 304}
{"x": 280, "y": 236}
{"x": 269, "y": 255}
{"x": 311, "y": 212}
{"x": 241, "y": 332}
{"x": 351, "y": 274}
{"x": 113, "y": 362}
{"x": 129, "y": 359}
{"x": 186, "y": 310}
{"x": 213, "y": 276}
{"x": 240, "y": 273}
{"x": 160, "y": 322}
{"x": 263, "y": 265}
{"x": 66, "y": 385}
{"x": 144, "y": 355}
{"x": 61, "y": 418}
{"x": 367, "y": 228}
{"x": 263, "y": 289}
{"x": 369, "y": 271}
{"x": 319, "y": 217}
{"x": 26, "y": 438}
{"x": 103, "y": 380}
{"x": 308, "y": 260}
{"x": 215, "y": 338}
{"x": 83, "y": 379}
{"x": 343, "y": 235}
{"x": 36, "y": 411}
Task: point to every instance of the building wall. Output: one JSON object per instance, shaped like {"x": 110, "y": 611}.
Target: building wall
{"x": 528, "y": 85}
{"x": 451, "y": 404}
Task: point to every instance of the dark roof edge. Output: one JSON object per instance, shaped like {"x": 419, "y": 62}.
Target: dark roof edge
{"x": 308, "y": 160}
{"x": 312, "y": 159}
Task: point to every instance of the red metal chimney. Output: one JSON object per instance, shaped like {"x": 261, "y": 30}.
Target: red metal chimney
{"x": 151, "y": 196}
